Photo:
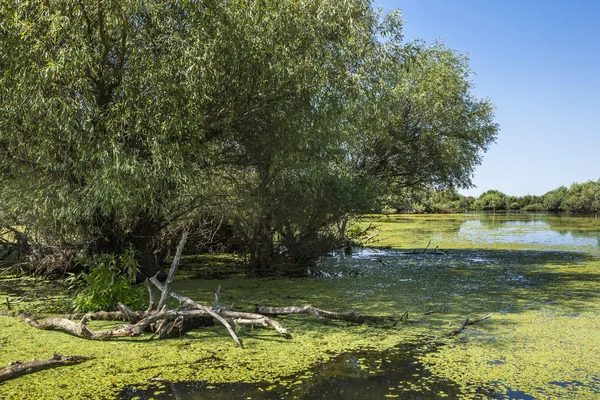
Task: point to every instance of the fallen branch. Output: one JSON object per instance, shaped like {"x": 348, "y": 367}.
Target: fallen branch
{"x": 187, "y": 301}
{"x": 318, "y": 313}
{"x": 98, "y": 316}
{"x": 17, "y": 368}
{"x": 426, "y": 247}
{"x": 242, "y": 318}
{"x": 81, "y": 330}
{"x": 466, "y": 323}
{"x": 165, "y": 292}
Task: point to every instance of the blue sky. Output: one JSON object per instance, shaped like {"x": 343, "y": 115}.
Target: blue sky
{"x": 539, "y": 63}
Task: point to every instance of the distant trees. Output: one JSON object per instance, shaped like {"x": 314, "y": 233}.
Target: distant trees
{"x": 579, "y": 197}
{"x": 582, "y": 197}
{"x": 492, "y": 200}
{"x": 122, "y": 121}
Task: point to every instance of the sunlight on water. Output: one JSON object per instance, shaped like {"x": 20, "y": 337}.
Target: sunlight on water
{"x": 536, "y": 232}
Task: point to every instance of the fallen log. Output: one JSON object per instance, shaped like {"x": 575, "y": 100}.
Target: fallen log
{"x": 318, "y": 313}
{"x": 18, "y": 368}
{"x": 187, "y": 301}
{"x": 81, "y": 330}
{"x": 466, "y": 323}
{"x": 164, "y": 322}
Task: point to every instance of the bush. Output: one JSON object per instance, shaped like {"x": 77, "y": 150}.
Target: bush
{"x": 514, "y": 206}
{"x": 534, "y": 207}
{"x": 109, "y": 282}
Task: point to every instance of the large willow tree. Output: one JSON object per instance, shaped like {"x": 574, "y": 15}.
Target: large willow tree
{"x": 120, "y": 118}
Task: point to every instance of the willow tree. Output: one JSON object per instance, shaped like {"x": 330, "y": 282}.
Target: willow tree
{"x": 424, "y": 127}
{"x": 116, "y": 116}
{"x": 381, "y": 117}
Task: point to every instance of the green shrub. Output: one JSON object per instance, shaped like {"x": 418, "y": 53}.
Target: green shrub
{"x": 109, "y": 281}
{"x": 514, "y": 206}
{"x": 534, "y": 207}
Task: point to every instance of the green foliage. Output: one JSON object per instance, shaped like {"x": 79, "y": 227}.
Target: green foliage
{"x": 534, "y": 207}
{"x": 515, "y": 206}
{"x": 583, "y": 197}
{"x": 491, "y": 200}
{"x": 120, "y": 120}
{"x": 431, "y": 200}
{"x": 108, "y": 283}
{"x": 579, "y": 197}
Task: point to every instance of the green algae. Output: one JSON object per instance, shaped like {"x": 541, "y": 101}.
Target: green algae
{"x": 541, "y": 340}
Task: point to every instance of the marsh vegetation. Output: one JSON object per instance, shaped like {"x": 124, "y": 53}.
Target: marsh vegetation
{"x": 537, "y": 274}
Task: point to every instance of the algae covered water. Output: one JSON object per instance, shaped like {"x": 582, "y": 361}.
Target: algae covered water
{"x": 539, "y": 276}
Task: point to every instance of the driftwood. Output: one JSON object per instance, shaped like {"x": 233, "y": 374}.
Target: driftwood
{"x": 165, "y": 292}
{"x": 466, "y": 323}
{"x": 318, "y": 313}
{"x": 17, "y": 368}
{"x": 164, "y": 322}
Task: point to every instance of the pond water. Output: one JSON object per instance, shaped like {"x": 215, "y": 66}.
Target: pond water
{"x": 539, "y": 276}
{"x": 359, "y": 375}
{"x": 533, "y": 232}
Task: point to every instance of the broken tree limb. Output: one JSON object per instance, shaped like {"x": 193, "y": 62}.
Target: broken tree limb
{"x": 99, "y": 316}
{"x": 165, "y": 292}
{"x": 466, "y": 323}
{"x": 17, "y": 368}
{"x": 187, "y": 301}
{"x": 131, "y": 315}
{"x": 76, "y": 329}
{"x": 242, "y": 318}
{"x": 318, "y": 313}
{"x": 151, "y": 295}
{"x": 81, "y": 330}
{"x": 223, "y": 313}
{"x": 426, "y": 247}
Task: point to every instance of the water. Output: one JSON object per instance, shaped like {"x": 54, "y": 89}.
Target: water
{"x": 357, "y": 376}
{"x": 534, "y": 232}
{"x": 503, "y": 264}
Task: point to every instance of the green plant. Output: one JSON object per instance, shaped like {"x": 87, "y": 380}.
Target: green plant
{"x": 109, "y": 282}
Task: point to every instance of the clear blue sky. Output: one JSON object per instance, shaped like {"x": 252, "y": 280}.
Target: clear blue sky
{"x": 539, "y": 63}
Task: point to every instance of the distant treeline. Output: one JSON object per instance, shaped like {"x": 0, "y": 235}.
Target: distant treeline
{"x": 579, "y": 197}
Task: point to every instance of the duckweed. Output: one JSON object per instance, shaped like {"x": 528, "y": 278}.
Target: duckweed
{"x": 542, "y": 339}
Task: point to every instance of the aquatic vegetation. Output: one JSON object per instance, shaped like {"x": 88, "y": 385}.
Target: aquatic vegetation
{"x": 542, "y": 339}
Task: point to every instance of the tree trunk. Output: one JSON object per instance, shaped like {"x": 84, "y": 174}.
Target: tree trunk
{"x": 17, "y": 368}
{"x": 113, "y": 240}
{"x": 261, "y": 251}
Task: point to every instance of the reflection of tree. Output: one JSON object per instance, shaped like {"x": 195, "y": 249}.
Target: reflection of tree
{"x": 576, "y": 226}
{"x": 497, "y": 221}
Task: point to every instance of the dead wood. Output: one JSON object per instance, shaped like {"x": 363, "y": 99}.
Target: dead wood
{"x": 81, "y": 330}
{"x": 426, "y": 247}
{"x": 151, "y": 295}
{"x": 99, "y": 316}
{"x": 318, "y": 313}
{"x": 466, "y": 323}
{"x": 18, "y": 368}
{"x": 241, "y": 318}
{"x": 165, "y": 292}
{"x": 187, "y": 301}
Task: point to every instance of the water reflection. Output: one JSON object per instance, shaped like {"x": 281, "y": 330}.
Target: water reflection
{"x": 533, "y": 230}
